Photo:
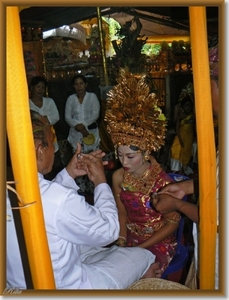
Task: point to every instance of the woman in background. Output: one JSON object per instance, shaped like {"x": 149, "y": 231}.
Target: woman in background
{"x": 38, "y": 102}
{"x": 181, "y": 150}
{"x": 82, "y": 111}
{"x": 46, "y": 107}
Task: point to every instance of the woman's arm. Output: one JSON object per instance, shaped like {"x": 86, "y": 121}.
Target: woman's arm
{"x": 175, "y": 113}
{"x": 178, "y": 130}
{"x": 169, "y": 228}
{"x": 122, "y": 214}
{"x": 93, "y": 115}
{"x": 68, "y": 112}
{"x": 53, "y": 113}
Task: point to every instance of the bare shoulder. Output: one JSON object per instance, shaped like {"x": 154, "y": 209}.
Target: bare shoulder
{"x": 117, "y": 176}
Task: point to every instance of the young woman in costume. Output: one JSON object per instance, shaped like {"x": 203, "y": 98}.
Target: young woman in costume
{"x": 137, "y": 127}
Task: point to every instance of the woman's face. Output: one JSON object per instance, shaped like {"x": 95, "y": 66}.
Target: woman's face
{"x": 79, "y": 86}
{"x": 38, "y": 89}
{"x": 131, "y": 160}
{"x": 188, "y": 107}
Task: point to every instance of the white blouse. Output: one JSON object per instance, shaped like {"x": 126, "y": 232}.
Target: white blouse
{"x": 48, "y": 109}
{"x": 84, "y": 113}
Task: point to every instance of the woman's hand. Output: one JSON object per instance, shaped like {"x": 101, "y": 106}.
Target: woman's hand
{"x": 79, "y": 127}
{"x": 84, "y": 132}
{"x": 82, "y": 129}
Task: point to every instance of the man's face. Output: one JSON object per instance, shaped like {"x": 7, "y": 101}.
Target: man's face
{"x": 48, "y": 152}
{"x": 45, "y": 154}
{"x": 215, "y": 97}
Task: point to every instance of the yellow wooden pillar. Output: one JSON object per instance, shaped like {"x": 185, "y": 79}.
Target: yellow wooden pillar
{"x": 19, "y": 131}
{"x": 206, "y": 146}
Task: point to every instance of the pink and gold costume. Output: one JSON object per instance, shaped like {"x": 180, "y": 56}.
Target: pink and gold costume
{"x": 142, "y": 220}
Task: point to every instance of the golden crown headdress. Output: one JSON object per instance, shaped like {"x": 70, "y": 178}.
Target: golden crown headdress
{"x": 132, "y": 114}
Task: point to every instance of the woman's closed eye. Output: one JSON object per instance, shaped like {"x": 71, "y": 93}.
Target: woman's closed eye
{"x": 129, "y": 157}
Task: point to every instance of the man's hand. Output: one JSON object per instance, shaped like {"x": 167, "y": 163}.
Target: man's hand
{"x": 78, "y": 164}
{"x": 178, "y": 189}
{"x": 72, "y": 168}
{"x": 165, "y": 203}
{"x": 93, "y": 165}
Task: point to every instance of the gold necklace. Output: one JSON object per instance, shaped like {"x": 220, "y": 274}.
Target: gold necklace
{"x": 145, "y": 182}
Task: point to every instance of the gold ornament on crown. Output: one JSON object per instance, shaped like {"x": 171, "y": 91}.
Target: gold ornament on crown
{"x": 132, "y": 114}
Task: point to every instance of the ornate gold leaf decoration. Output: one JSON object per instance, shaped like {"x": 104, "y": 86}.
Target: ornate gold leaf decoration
{"x": 132, "y": 114}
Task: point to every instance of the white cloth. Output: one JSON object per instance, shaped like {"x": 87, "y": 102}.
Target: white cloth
{"x": 84, "y": 113}
{"x": 77, "y": 233}
{"x": 176, "y": 166}
{"x": 49, "y": 110}
{"x": 196, "y": 232}
{"x": 14, "y": 269}
{"x": 116, "y": 267}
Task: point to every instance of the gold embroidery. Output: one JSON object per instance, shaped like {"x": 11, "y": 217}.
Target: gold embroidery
{"x": 174, "y": 218}
{"x": 145, "y": 231}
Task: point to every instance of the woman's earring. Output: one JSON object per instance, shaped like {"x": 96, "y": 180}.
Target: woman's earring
{"x": 146, "y": 157}
{"x": 116, "y": 153}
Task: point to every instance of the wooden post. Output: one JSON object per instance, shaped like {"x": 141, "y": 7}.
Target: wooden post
{"x": 206, "y": 147}
{"x": 22, "y": 150}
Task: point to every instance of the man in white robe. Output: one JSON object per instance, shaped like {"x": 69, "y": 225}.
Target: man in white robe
{"x": 77, "y": 232}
